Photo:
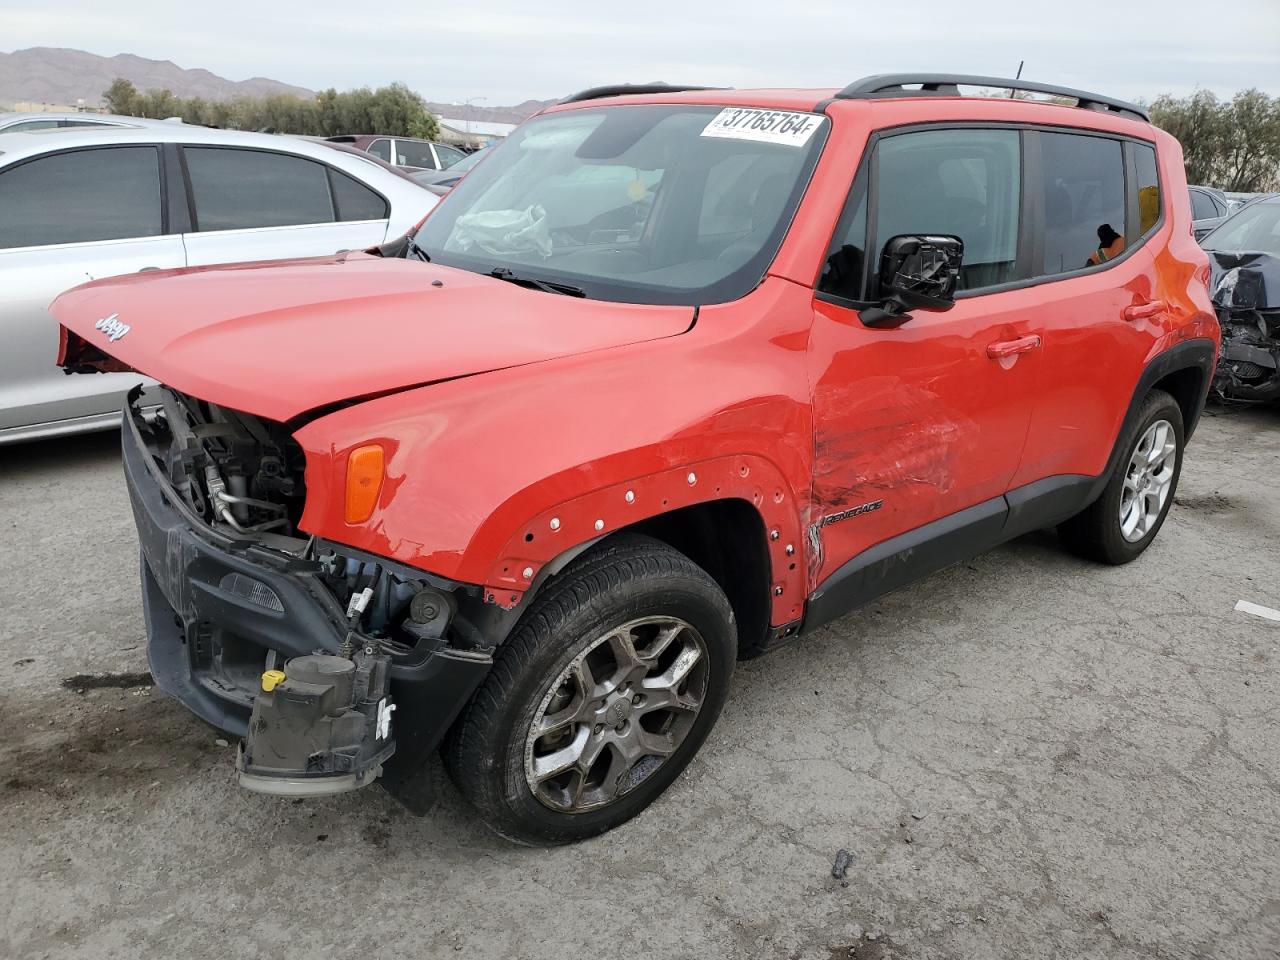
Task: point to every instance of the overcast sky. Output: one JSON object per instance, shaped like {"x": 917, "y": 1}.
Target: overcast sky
{"x": 507, "y": 51}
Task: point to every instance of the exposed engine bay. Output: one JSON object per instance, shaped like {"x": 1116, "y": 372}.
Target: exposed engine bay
{"x": 309, "y": 640}
{"x": 230, "y": 467}
{"x": 1245, "y": 289}
{"x": 243, "y": 476}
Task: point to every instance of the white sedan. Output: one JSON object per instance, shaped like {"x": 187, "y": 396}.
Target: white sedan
{"x": 77, "y": 204}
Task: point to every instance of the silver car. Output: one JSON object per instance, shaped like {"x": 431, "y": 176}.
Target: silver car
{"x": 16, "y": 122}
{"x": 1209, "y": 207}
{"x": 76, "y": 205}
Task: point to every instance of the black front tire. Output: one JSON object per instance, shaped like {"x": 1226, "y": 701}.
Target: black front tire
{"x": 1095, "y": 533}
{"x": 626, "y": 578}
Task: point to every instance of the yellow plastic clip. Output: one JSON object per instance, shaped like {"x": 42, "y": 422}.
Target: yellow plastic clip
{"x": 272, "y": 679}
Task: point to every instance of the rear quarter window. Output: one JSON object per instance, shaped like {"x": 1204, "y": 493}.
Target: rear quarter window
{"x": 237, "y": 189}
{"x": 355, "y": 201}
{"x": 1150, "y": 203}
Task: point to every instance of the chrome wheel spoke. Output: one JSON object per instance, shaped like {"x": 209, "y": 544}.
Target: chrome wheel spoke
{"x": 654, "y": 649}
{"x": 1129, "y": 521}
{"x": 680, "y": 668}
{"x": 563, "y": 759}
{"x": 654, "y": 744}
{"x": 583, "y": 678}
{"x": 1159, "y": 439}
{"x": 667, "y": 698}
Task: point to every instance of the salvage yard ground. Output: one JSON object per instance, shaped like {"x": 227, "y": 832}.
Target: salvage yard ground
{"x": 1026, "y": 756}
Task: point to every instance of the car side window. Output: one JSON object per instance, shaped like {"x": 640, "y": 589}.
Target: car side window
{"x": 82, "y": 196}
{"x": 380, "y": 149}
{"x": 355, "y": 201}
{"x": 1148, "y": 186}
{"x": 411, "y": 153}
{"x": 237, "y": 189}
{"x": 448, "y": 156}
{"x": 31, "y": 125}
{"x": 1084, "y": 201}
{"x": 958, "y": 182}
{"x": 1201, "y": 206}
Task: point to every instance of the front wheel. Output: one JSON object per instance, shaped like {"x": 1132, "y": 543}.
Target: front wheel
{"x": 1126, "y": 517}
{"x": 600, "y": 698}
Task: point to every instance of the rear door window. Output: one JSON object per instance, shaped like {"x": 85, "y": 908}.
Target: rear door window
{"x": 82, "y": 196}
{"x": 1084, "y": 201}
{"x": 964, "y": 183}
{"x": 236, "y": 189}
{"x": 412, "y": 153}
{"x": 380, "y": 149}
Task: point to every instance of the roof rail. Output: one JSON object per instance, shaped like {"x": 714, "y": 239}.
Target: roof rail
{"x": 947, "y": 85}
{"x": 623, "y": 89}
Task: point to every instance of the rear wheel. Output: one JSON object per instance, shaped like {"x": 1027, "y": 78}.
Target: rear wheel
{"x": 1123, "y": 521}
{"x": 600, "y": 698}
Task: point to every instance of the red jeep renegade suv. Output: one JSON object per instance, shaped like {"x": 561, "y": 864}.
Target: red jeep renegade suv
{"x": 675, "y": 375}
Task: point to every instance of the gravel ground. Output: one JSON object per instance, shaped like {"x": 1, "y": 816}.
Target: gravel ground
{"x": 1026, "y": 756}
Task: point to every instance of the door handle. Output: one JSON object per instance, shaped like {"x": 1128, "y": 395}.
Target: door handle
{"x": 1009, "y": 348}
{"x": 1140, "y": 311}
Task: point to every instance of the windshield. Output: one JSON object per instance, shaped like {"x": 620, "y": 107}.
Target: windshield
{"x": 640, "y": 204}
{"x": 1255, "y": 228}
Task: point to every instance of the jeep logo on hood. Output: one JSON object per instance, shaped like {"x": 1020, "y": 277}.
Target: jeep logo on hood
{"x": 112, "y": 327}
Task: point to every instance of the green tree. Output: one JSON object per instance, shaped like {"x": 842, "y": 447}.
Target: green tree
{"x": 1234, "y": 145}
{"x": 394, "y": 110}
{"x": 121, "y": 97}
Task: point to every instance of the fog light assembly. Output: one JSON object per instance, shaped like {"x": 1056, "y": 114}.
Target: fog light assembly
{"x": 322, "y": 728}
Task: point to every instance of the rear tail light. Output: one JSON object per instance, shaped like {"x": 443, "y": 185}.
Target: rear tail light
{"x": 364, "y": 482}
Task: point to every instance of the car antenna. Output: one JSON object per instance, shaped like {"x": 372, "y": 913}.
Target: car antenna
{"x": 1017, "y": 76}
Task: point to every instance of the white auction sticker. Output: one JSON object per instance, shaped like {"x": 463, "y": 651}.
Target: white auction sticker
{"x": 766, "y": 126}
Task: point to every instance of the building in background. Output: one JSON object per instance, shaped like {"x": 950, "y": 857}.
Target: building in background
{"x": 31, "y": 106}
{"x": 472, "y": 134}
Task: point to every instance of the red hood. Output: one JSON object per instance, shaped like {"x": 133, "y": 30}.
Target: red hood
{"x": 279, "y": 339}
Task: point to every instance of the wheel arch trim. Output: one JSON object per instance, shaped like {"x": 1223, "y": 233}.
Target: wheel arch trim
{"x": 543, "y": 544}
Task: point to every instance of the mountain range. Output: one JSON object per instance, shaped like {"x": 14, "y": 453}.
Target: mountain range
{"x": 58, "y": 75}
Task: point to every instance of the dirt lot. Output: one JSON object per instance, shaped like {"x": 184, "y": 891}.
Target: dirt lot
{"x": 1026, "y": 756}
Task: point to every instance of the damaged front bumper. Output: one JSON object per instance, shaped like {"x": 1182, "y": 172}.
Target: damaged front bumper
{"x": 1246, "y": 294}
{"x": 221, "y": 610}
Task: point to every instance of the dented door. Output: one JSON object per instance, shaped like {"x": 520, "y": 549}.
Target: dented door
{"x": 914, "y": 424}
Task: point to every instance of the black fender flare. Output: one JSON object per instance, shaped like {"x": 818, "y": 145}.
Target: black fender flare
{"x": 1200, "y": 355}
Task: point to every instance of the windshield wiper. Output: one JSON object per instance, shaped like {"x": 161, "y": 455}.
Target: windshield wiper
{"x": 418, "y": 252}
{"x": 547, "y": 286}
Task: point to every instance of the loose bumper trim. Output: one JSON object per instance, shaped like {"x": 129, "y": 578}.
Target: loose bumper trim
{"x": 215, "y": 607}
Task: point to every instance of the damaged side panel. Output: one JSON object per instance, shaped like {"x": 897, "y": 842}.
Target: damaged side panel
{"x": 912, "y": 425}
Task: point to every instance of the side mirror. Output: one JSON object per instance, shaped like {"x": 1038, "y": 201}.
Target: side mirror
{"x": 916, "y": 273}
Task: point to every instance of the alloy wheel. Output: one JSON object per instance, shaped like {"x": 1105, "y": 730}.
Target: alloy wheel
{"x": 616, "y": 713}
{"x": 1148, "y": 480}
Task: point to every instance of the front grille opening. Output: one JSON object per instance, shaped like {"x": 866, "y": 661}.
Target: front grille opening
{"x": 234, "y": 470}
